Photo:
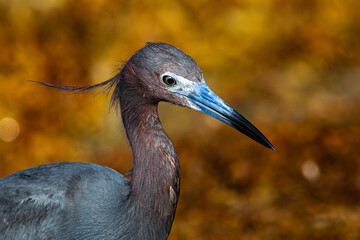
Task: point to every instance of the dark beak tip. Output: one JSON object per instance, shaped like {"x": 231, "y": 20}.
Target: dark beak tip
{"x": 268, "y": 145}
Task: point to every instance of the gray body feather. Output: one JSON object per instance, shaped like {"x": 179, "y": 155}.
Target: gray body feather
{"x": 64, "y": 201}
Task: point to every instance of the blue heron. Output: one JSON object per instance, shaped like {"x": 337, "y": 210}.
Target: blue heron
{"x": 73, "y": 200}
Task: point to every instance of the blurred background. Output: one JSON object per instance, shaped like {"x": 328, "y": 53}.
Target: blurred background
{"x": 291, "y": 67}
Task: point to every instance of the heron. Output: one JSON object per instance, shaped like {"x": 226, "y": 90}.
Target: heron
{"x": 86, "y": 201}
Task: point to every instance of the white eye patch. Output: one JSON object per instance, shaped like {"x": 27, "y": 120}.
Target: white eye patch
{"x": 183, "y": 85}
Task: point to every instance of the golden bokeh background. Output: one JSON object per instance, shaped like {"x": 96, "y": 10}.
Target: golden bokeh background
{"x": 291, "y": 67}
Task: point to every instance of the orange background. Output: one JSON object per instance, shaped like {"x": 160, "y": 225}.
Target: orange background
{"x": 291, "y": 67}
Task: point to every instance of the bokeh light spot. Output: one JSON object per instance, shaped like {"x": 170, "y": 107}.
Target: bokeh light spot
{"x": 310, "y": 170}
{"x": 9, "y": 129}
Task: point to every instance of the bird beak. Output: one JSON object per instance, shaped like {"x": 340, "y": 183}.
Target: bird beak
{"x": 201, "y": 98}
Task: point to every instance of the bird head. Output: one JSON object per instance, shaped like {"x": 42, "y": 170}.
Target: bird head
{"x": 161, "y": 72}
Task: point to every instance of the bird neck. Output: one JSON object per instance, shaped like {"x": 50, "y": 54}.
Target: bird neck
{"x": 156, "y": 171}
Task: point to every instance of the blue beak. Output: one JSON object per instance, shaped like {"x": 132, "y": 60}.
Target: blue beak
{"x": 205, "y": 100}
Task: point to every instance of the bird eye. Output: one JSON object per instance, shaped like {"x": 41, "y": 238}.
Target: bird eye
{"x": 170, "y": 81}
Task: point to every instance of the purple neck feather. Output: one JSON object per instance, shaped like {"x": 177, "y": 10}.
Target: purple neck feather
{"x": 156, "y": 171}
